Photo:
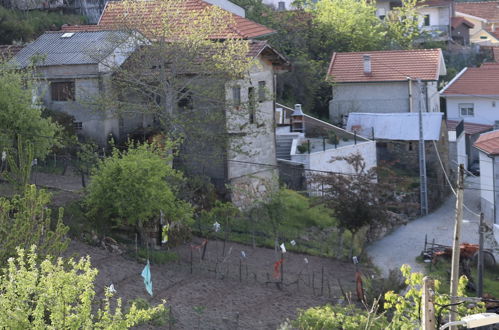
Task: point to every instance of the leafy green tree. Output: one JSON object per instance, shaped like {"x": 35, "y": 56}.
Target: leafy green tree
{"x": 133, "y": 186}
{"x": 21, "y": 115}
{"x": 26, "y": 220}
{"x": 403, "y": 26}
{"x": 59, "y": 294}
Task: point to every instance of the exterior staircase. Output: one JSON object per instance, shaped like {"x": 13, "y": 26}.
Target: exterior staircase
{"x": 283, "y": 147}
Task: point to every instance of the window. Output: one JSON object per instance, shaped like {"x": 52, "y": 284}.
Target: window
{"x": 426, "y": 20}
{"x": 63, "y": 91}
{"x": 261, "y": 91}
{"x": 281, "y": 5}
{"x": 77, "y": 125}
{"x": 466, "y": 109}
{"x": 236, "y": 96}
{"x": 185, "y": 100}
{"x": 483, "y": 37}
{"x": 251, "y": 104}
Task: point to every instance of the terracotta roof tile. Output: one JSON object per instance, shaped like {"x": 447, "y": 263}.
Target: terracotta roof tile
{"x": 489, "y": 143}
{"x": 475, "y": 81}
{"x": 469, "y": 128}
{"x": 395, "y": 65}
{"x": 488, "y": 10}
{"x": 456, "y": 21}
{"x": 115, "y": 12}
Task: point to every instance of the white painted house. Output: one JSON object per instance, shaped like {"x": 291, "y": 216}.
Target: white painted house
{"x": 473, "y": 95}
{"x": 488, "y": 146}
{"x": 434, "y": 15}
{"x": 485, "y": 17}
{"x": 384, "y": 82}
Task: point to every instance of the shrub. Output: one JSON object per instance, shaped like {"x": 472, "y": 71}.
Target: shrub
{"x": 132, "y": 187}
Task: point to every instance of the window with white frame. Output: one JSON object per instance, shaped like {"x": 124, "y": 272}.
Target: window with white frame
{"x": 466, "y": 109}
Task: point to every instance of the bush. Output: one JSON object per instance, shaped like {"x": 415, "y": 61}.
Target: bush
{"x": 132, "y": 187}
{"x": 339, "y": 317}
{"x": 303, "y": 148}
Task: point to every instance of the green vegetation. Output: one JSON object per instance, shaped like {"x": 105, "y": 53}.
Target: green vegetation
{"x": 19, "y": 117}
{"x": 25, "y": 26}
{"x": 401, "y": 311}
{"x": 132, "y": 187}
{"x": 25, "y": 220}
{"x": 60, "y": 294}
{"x": 157, "y": 257}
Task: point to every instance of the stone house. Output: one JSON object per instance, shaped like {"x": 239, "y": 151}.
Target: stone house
{"x": 69, "y": 76}
{"x": 384, "y": 82}
{"x": 484, "y": 15}
{"x": 397, "y": 144}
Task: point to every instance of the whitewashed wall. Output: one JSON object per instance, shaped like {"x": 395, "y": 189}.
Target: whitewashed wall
{"x": 486, "y": 110}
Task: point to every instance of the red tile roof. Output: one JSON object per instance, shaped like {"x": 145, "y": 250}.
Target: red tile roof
{"x": 475, "y": 81}
{"x": 393, "y": 65}
{"x": 469, "y": 128}
{"x": 456, "y": 21}
{"x": 495, "y": 53}
{"x": 149, "y": 13}
{"x": 488, "y": 10}
{"x": 489, "y": 143}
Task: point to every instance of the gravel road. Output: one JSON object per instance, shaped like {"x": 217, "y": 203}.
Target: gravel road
{"x": 404, "y": 244}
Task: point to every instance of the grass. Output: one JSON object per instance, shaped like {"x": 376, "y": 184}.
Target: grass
{"x": 157, "y": 257}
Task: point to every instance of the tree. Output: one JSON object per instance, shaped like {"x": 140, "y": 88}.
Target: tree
{"x": 133, "y": 186}
{"x": 26, "y": 220}
{"x": 357, "y": 200}
{"x": 403, "y": 26}
{"x": 59, "y": 294}
{"x": 20, "y": 115}
{"x": 180, "y": 73}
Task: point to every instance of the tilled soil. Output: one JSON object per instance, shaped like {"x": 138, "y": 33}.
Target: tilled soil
{"x": 225, "y": 291}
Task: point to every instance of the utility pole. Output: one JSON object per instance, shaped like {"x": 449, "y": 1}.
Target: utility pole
{"x": 428, "y": 319}
{"x": 422, "y": 157}
{"x": 456, "y": 249}
{"x": 481, "y": 229}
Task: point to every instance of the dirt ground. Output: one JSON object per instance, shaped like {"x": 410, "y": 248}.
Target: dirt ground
{"x": 240, "y": 294}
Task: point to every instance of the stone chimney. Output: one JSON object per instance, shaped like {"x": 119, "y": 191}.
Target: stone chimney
{"x": 367, "y": 65}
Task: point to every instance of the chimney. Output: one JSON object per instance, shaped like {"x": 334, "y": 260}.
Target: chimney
{"x": 367, "y": 65}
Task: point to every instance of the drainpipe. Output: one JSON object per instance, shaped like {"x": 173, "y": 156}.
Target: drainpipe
{"x": 409, "y": 82}
{"x": 426, "y": 96}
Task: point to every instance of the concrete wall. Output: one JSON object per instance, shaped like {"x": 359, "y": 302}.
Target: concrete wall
{"x": 484, "y": 110}
{"x": 487, "y": 193}
{"x": 381, "y": 97}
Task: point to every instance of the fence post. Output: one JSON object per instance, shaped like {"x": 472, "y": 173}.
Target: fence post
{"x": 323, "y": 144}
{"x": 240, "y": 270}
{"x": 322, "y": 281}
{"x": 308, "y": 144}
{"x": 355, "y": 137}
{"x": 191, "y": 260}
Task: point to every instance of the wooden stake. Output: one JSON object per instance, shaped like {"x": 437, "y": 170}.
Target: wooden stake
{"x": 191, "y": 260}
{"x": 322, "y": 281}
{"x": 428, "y": 319}
{"x": 456, "y": 250}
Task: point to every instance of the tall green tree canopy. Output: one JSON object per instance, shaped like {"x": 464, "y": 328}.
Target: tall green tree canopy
{"x": 21, "y": 113}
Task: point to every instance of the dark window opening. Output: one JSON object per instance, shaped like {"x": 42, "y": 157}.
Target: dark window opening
{"x": 236, "y": 95}
{"x": 281, "y": 5}
{"x": 426, "y": 20}
{"x": 251, "y": 104}
{"x": 185, "y": 101}
{"x": 63, "y": 91}
{"x": 261, "y": 91}
{"x": 77, "y": 125}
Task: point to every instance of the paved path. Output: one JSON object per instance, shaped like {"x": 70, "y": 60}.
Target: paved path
{"x": 404, "y": 244}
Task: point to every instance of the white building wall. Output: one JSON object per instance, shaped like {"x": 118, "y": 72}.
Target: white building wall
{"x": 380, "y": 97}
{"x": 486, "y": 110}
{"x": 288, "y": 4}
{"x": 486, "y": 180}
{"x": 462, "y": 157}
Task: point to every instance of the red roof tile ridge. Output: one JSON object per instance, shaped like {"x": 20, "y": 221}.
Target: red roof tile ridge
{"x": 391, "y": 51}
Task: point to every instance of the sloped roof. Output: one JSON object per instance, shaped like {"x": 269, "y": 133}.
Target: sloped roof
{"x": 487, "y": 10}
{"x": 456, "y": 21}
{"x": 393, "y": 65}
{"x": 469, "y": 128}
{"x": 395, "y": 126}
{"x": 114, "y": 14}
{"x": 262, "y": 47}
{"x": 79, "y": 48}
{"x": 475, "y": 81}
{"x": 488, "y": 143}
